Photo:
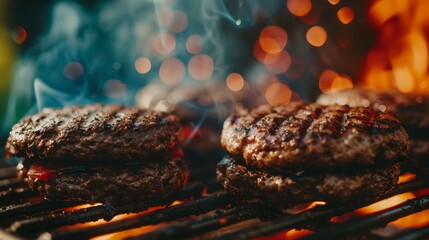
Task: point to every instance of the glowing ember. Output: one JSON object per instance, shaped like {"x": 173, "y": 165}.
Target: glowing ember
{"x": 390, "y": 202}
{"x": 142, "y": 65}
{"x": 201, "y": 67}
{"x": 273, "y": 39}
{"x": 172, "y": 71}
{"x": 346, "y": 15}
{"x": 299, "y": 7}
{"x": 406, "y": 178}
{"x": 278, "y": 93}
{"x": 164, "y": 44}
{"x": 316, "y": 36}
{"x": 194, "y": 44}
{"x": 235, "y": 82}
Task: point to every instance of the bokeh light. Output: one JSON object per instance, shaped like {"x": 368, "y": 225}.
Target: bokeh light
{"x": 172, "y": 71}
{"x": 143, "y": 65}
{"x": 73, "y": 70}
{"x": 331, "y": 82}
{"x": 180, "y": 21}
{"x": 278, "y": 94}
{"x": 235, "y": 82}
{"x": 19, "y": 35}
{"x": 334, "y": 2}
{"x": 326, "y": 79}
{"x": 201, "y": 67}
{"x": 194, "y": 44}
{"x": 272, "y": 39}
{"x": 114, "y": 88}
{"x": 316, "y": 36}
{"x": 299, "y": 7}
{"x": 341, "y": 83}
{"x": 164, "y": 44}
{"x": 279, "y": 63}
{"x": 345, "y": 15}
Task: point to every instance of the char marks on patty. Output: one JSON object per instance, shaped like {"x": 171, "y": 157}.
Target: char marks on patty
{"x": 301, "y": 135}
{"x": 95, "y": 133}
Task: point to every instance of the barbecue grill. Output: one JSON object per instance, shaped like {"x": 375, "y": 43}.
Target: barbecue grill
{"x": 200, "y": 211}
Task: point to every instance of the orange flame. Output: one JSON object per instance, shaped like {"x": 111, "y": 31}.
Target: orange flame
{"x": 400, "y": 58}
{"x": 121, "y": 234}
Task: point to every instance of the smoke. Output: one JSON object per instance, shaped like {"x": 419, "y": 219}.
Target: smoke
{"x": 109, "y": 53}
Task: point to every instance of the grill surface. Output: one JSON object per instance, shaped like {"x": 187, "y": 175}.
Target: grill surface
{"x": 204, "y": 212}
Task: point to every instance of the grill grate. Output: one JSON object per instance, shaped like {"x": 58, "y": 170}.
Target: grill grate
{"x": 26, "y": 216}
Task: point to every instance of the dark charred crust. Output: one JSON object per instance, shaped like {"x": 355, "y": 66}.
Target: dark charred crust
{"x": 301, "y": 135}
{"x": 94, "y": 133}
{"x": 412, "y": 109}
{"x": 114, "y": 183}
{"x": 287, "y": 190}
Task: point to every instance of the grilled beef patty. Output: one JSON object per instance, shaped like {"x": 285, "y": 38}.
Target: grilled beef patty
{"x": 300, "y": 136}
{"x": 286, "y": 190}
{"x": 114, "y": 182}
{"x": 412, "y": 109}
{"x": 94, "y": 133}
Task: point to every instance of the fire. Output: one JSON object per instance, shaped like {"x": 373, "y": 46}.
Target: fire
{"x": 400, "y": 58}
{"x": 386, "y": 203}
{"x": 122, "y": 234}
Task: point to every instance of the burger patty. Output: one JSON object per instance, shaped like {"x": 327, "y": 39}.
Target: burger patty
{"x": 94, "y": 133}
{"x": 412, "y": 109}
{"x": 287, "y": 190}
{"x": 108, "y": 183}
{"x": 300, "y": 136}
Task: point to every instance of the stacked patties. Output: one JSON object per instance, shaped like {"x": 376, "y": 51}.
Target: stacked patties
{"x": 412, "y": 110}
{"x": 303, "y": 152}
{"x": 100, "y": 153}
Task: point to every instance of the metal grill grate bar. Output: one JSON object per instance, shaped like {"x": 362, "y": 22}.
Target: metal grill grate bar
{"x": 316, "y": 213}
{"x": 51, "y": 221}
{"x": 387, "y": 215}
{"x": 195, "y": 207}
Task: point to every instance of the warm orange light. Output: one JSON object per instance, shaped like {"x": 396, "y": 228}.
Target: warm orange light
{"x": 82, "y": 206}
{"x": 201, "y": 67}
{"x": 164, "y": 44}
{"x": 272, "y": 39}
{"x": 294, "y": 234}
{"x": 235, "y": 82}
{"x": 334, "y": 2}
{"x": 416, "y": 220}
{"x": 390, "y": 202}
{"x": 299, "y": 7}
{"x": 406, "y": 177}
{"x": 341, "y": 83}
{"x": 316, "y": 36}
{"x": 172, "y": 71}
{"x": 278, "y": 94}
{"x": 345, "y": 15}
{"x": 194, "y": 44}
{"x": 400, "y": 59}
{"x": 142, "y": 65}
{"x": 278, "y": 63}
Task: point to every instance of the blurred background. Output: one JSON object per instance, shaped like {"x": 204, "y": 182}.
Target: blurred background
{"x": 138, "y": 52}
